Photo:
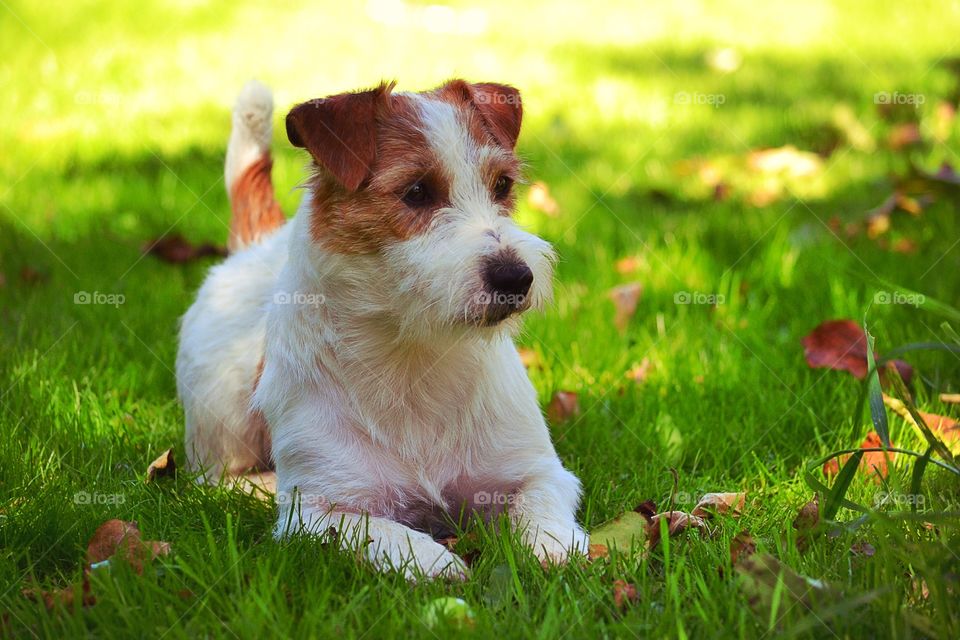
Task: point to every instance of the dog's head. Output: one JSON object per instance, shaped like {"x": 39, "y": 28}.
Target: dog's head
{"x": 424, "y": 184}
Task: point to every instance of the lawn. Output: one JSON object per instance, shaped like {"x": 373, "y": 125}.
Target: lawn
{"x": 642, "y": 122}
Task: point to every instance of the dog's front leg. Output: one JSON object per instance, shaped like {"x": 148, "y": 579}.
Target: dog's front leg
{"x": 544, "y": 512}
{"x": 388, "y": 545}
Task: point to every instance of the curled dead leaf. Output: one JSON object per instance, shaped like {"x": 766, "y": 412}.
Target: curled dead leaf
{"x": 122, "y": 539}
{"x": 163, "y": 467}
{"x": 563, "y": 406}
{"x": 842, "y": 345}
{"x": 625, "y": 299}
{"x": 624, "y": 594}
{"x": 176, "y": 249}
{"x": 677, "y": 521}
{"x": 873, "y": 463}
{"x": 720, "y": 503}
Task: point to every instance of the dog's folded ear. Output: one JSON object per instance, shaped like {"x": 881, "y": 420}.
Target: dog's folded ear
{"x": 499, "y": 104}
{"x": 340, "y": 132}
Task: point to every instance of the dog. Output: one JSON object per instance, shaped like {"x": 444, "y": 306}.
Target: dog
{"x": 364, "y": 348}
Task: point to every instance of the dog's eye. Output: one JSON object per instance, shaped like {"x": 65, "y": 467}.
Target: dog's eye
{"x": 501, "y": 188}
{"x": 417, "y": 195}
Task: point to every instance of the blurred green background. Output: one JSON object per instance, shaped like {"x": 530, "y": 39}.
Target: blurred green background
{"x": 648, "y": 130}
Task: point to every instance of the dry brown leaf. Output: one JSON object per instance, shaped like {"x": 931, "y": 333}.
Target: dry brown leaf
{"x": 863, "y": 548}
{"x": 947, "y": 429}
{"x": 598, "y": 551}
{"x": 742, "y": 546}
{"x": 905, "y": 246}
{"x": 563, "y": 406}
{"x": 950, "y": 398}
{"x": 121, "y": 539}
{"x": 719, "y": 503}
{"x": 873, "y": 463}
{"x": 624, "y": 594}
{"x": 647, "y": 509}
{"x": 64, "y": 597}
{"x": 176, "y": 249}
{"x": 842, "y": 345}
{"x": 539, "y": 199}
{"x": 625, "y": 299}
{"x": 163, "y": 467}
{"x": 678, "y": 521}
{"x": 808, "y": 517}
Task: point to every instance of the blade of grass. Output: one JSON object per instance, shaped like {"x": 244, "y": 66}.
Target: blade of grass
{"x": 878, "y": 413}
{"x": 835, "y": 498}
{"x": 919, "y": 468}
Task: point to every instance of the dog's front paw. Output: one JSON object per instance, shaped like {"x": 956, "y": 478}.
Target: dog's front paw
{"x": 417, "y": 556}
{"x": 556, "y": 546}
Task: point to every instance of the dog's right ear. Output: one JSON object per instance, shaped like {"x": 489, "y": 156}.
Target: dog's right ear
{"x": 340, "y": 132}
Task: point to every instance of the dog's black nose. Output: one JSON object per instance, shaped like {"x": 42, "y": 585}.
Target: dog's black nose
{"x": 511, "y": 278}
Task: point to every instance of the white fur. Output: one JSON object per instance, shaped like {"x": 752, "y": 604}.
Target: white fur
{"x": 251, "y": 131}
{"x": 387, "y": 408}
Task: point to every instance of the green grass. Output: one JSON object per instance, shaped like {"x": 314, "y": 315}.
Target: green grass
{"x": 115, "y": 121}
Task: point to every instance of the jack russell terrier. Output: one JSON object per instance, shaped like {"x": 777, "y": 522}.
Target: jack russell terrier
{"x": 363, "y": 349}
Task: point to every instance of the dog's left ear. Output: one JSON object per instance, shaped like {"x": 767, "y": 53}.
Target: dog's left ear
{"x": 499, "y": 104}
{"x": 340, "y": 132}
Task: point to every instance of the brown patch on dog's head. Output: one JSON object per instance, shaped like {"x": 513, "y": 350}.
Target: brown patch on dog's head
{"x": 371, "y": 153}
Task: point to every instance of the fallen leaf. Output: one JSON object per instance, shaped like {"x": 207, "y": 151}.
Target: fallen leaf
{"x": 913, "y": 206}
{"x": 842, "y": 345}
{"x": 873, "y": 463}
{"x": 947, "y": 429}
{"x": 904, "y": 135}
{"x": 719, "y": 503}
{"x": 563, "y": 406}
{"x": 905, "y": 246}
{"x": 950, "y": 398}
{"x": 761, "y": 576}
{"x": 878, "y": 218}
{"x": 164, "y": 466}
{"x": 625, "y": 532}
{"x": 863, "y": 548}
{"x": 837, "y": 344}
{"x": 624, "y": 594}
{"x": 640, "y": 372}
{"x": 625, "y": 298}
{"x": 647, "y": 508}
{"x": 176, "y": 249}
{"x": 121, "y": 539}
{"x": 678, "y": 521}
{"x": 787, "y": 159}
{"x": 742, "y": 546}
{"x": 63, "y": 597}
{"x": 809, "y": 516}
{"x": 539, "y": 199}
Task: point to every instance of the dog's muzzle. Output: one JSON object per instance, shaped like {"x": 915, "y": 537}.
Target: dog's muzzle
{"x": 507, "y": 280}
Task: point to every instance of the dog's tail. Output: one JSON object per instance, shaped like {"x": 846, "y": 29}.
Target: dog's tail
{"x": 255, "y": 212}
